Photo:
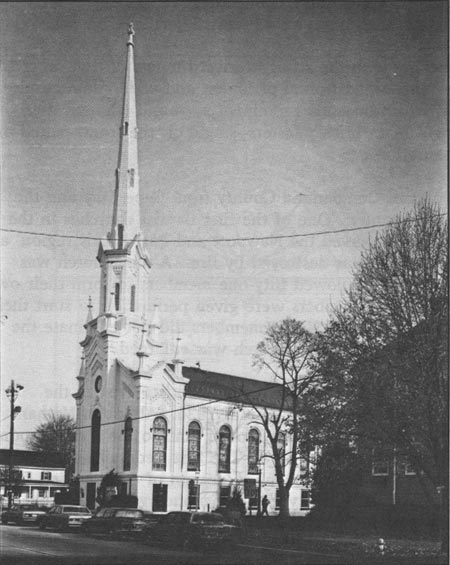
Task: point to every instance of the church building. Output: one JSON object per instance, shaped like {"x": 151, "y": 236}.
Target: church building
{"x": 180, "y": 437}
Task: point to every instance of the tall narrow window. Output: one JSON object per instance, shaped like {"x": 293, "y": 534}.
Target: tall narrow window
{"x": 277, "y": 499}
{"x": 117, "y": 296}
{"x": 224, "y": 496}
{"x": 120, "y": 235}
{"x": 127, "y": 432}
{"x": 131, "y": 171}
{"x": 305, "y": 502}
{"x": 193, "y": 496}
{"x": 253, "y": 452}
{"x": 159, "y": 444}
{"x": 159, "y": 498}
{"x": 281, "y": 446}
{"x": 194, "y": 447}
{"x": 133, "y": 298}
{"x": 125, "y": 128}
{"x": 95, "y": 440}
{"x": 224, "y": 449}
{"x": 104, "y": 298}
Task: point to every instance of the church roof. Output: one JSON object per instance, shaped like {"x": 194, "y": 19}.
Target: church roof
{"x": 24, "y": 458}
{"x": 220, "y": 386}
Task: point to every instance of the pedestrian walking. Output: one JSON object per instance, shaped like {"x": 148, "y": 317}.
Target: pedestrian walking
{"x": 265, "y": 504}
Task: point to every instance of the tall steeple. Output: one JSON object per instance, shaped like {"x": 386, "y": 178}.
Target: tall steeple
{"x": 125, "y": 266}
{"x": 126, "y": 217}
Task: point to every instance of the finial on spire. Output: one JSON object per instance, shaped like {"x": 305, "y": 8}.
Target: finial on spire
{"x": 178, "y": 358}
{"x": 142, "y": 350}
{"x": 130, "y": 33}
{"x": 89, "y": 314}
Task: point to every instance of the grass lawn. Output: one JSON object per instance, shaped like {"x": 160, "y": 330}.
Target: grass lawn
{"x": 270, "y": 533}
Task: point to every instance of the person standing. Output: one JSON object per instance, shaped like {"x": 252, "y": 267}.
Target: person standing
{"x": 265, "y": 504}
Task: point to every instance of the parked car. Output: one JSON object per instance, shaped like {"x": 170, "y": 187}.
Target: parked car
{"x": 23, "y": 513}
{"x": 118, "y": 522}
{"x": 64, "y": 516}
{"x": 194, "y": 529}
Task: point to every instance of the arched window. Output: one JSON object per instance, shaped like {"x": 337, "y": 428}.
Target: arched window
{"x": 127, "y": 432}
{"x": 117, "y": 296}
{"x": 159, "y": 444}
{"x": 224, "y": 449}
{"x": 194, "y": 447}
{"x": 281, "y": 446}
{"x": 95, "y": 440}
{"x": 133, "y": 298}
{"x": 253, "y": 451}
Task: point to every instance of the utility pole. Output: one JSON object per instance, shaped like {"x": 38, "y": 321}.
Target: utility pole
{"x": 11, "y": 392}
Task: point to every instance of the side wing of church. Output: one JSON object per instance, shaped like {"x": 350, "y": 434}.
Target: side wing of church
{"x": 180, "y": 437}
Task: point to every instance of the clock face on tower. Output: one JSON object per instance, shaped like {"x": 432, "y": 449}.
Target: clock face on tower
{"x": 98, "y": 384}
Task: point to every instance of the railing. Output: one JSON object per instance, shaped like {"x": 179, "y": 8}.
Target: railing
{"x": 41, "y": 500}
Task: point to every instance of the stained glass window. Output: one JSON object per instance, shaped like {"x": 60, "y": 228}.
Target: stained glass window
{"x": 224, "y": 449}
{"x": 194, "y": 447}
{"x": 253, "y": 451}
{"x": 159, "y": 444}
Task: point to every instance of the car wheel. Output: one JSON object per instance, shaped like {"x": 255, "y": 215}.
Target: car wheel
{"x": 112, "y": 534}
{"x": 5, "y": 521}
{"x": 42, "y": 525}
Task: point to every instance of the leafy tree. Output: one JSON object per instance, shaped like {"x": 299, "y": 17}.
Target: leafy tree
{"x": 236, "y": 503}
{"x": 109, "y": 487}
{"x": 384, "y": 354}
{"x": 56, "y": 435}
{"x": 336, "y": 479}
{"x": 286, "y": 353}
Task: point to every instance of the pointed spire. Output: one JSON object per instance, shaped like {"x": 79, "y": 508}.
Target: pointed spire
{"x": 126, "y": 216}
{"x": 142, "y": 353}
{"x": 89, "y": 314}
{"x": 82, "y": 372}
{"x": 178, "y": 357}
{"x": 155, "y": 327}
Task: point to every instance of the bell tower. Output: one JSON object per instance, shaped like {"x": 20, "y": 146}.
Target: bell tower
{"x": 124, "y": 262}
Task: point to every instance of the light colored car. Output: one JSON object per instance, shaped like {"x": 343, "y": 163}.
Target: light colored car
{"x": 23, "y": 514}
{"x": 65, "y": 516}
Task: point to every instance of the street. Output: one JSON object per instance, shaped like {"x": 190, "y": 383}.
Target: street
{"x": 28, "y": 545}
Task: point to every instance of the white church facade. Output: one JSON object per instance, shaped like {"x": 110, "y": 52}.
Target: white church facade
{"x": 180, "y": 437}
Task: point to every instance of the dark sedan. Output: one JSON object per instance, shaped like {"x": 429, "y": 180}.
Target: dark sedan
{"x": 194, "y": 529}
{"x": 117, "y": 522}
{"x": 23, "y": 514}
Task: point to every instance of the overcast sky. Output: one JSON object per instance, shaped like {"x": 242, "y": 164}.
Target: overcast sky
{"x": 254, "y": 119}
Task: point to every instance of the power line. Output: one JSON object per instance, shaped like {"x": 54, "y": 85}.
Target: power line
{"x": 228, "y": 239}
{"x": 166, "y": 412}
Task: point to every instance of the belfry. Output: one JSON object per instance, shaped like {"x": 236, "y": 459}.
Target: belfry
{"x": 176, "y": 435}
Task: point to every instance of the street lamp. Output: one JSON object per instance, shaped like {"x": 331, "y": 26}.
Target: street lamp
{"x": 259, "y": 466}
{"x": 197, "y": 490}
{"x": 12, "y": 392}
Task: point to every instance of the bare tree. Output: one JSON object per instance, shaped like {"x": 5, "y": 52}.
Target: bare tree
{"x": 285, "y": 353}
{"x": 56, "y": 435}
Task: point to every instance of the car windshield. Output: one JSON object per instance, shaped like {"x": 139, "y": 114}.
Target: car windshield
{"x": 28, "y": 507}
{"x": 129, "y": 514}
{"x": 76, "y": 510}
{"x": 207, "y": 519}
